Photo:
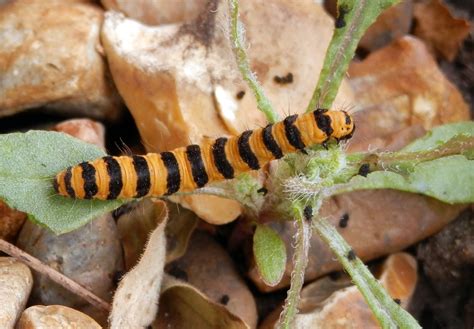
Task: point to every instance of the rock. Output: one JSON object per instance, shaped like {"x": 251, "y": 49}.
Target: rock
{"x": 327, "y": 303}
{"x": 439, "y": 29}
{"x": 91, "y": 256}
{"x": 401, "y": 86}
{"x": 15, "y": 286}
{"x": 55, "y": 316}
{"x": 11, "y": 221}
{"x": 50, "y": 55}
{"x": 85, "y": 129}
{"x": 153, "y": 12}
{"x": 392, "y": 24}
{"x": 182, "y": 85}
{"x": 203, "y": 263}
{"x": 446, "y": 297}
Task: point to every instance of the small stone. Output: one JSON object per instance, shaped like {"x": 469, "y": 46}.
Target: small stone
{"x": 15, "y": 286}
{"x": 11, "y": 221}
{"x": 55, "y": 316}
{"x": 90, "y": 256}
{"x": 85, "y": 129}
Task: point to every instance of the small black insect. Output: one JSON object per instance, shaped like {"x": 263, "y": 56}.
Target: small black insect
{"x": 397, "y": 300}
{"x": 240, "y": 94}
{"x": 284, "y": 80}
{"x": 341, "y": 13}
{"x": 308, "y": 213}
{"x": 262, "y": 190}
{"x": 224, "y": 300}
{"x": 344, "y": 220}
{"x": 351, "y": 255}
{"x": 364, "y": 170}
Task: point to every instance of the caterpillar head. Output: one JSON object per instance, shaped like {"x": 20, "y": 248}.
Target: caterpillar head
{"x": 342, "y": 125}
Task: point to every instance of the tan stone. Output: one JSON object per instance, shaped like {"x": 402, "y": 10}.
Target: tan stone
{"x": 401, "y": 86}
{"x": 50, "y": 56}
{"x": 11, "y": 221}
{"x": 55, "y": 316}
{"x": 15, "y": 286}
{"x": 157, "y": 12}
{"x": 86, "y": 130}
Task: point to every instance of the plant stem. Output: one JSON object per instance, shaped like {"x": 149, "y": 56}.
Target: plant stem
{"x": 388, "y": 313}
{"x": 300, "y": 260}
{"x": 54, "y": 275}
{"x": 237, "y": 41}
{"x": 354, "y": 17}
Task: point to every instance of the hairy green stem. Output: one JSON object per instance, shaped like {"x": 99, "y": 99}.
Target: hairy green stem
{"x": 300, "y": 260}
{"x": 354, "y": 17}
{"x": 388, "y": 313}
{"x": 237, "y": 41}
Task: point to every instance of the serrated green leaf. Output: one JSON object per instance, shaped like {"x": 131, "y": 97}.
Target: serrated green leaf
{"x": 449, "y": 179}
{"x": 270, "y": 254}
{"x": 28, "y": 164}
{"x": 439, "y": 136}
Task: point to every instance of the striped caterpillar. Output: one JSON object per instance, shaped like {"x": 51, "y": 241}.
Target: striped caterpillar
{"x": 187, "y": 168}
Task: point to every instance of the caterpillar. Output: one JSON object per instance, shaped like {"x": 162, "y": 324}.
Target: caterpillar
{"x": 188, "y": 168}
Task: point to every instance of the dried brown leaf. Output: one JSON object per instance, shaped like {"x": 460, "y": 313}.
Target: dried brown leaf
{"x": 183, "y": 306}
{"x": 135, "y": 301}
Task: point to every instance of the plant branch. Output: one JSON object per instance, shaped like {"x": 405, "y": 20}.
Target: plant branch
{"x": 54, "y": 275}
{"x": 237, "y": 41}
{"x": 388, "y": 313}
{"x": 354, "y": 17}
{"x": 300, "y": 260}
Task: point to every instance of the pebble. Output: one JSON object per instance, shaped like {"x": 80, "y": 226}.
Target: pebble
{"x": 15, "y": 286}
{"x": 55, "y": 316}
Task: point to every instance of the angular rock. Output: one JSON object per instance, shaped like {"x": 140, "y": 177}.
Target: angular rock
{"x": 203, "y": 263}
{"x": 11, "y": 221}
{"x": 401, "y": 86}
{"x": 91, "y": 256}
{"x": 153, "y": 12}
{"x": 15, "y": 286}
{"x": 439, "y": 29}
{"x": 182, "y": 85}
{"x": 50, "y": 55}
{"x": 55, "y": 316}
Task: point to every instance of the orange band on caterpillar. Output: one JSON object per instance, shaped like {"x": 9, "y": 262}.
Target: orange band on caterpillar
{"x": 187, "y": 168}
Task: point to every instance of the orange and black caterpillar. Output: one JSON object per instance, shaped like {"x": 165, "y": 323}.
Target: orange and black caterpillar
{"x": 187, "y": 168}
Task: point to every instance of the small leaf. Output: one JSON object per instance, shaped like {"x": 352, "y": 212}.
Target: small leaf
{"x": 270, "y": 254}
{"x": 441, "y": 135}
{"x": 28, "y": 164}
{"x": 449, "y": 179}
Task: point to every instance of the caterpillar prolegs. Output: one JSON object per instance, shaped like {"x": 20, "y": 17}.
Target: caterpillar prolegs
{"x": 187, "y": 168}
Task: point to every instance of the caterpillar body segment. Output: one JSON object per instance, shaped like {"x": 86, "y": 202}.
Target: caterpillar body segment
{"x": 191, "y": 167}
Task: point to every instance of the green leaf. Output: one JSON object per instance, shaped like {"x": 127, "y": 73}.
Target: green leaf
{"x": 440, "y": 135}
{"x": 449, "y": 179}
{"x": 354, "y": 17}
{"x": 28, "y": 164}
{"x": 270, "y": 254}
